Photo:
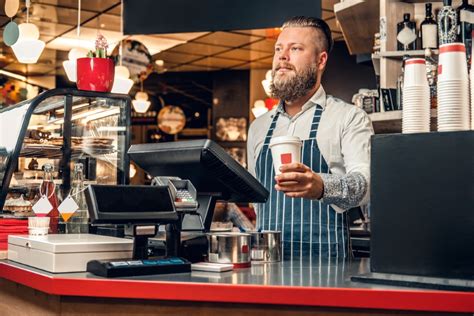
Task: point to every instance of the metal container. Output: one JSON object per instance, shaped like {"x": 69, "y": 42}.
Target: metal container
{"x": 266, "y": 246}
{"x": 229, "y": 248}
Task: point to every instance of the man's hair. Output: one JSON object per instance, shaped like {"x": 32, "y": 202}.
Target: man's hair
{"x": 326, "y": 43}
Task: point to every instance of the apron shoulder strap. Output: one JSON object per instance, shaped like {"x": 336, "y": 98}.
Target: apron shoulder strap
{"x": 315, "y": 124}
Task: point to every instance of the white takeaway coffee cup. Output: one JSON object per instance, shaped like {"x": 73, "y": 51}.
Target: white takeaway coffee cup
{"x": 285, "y": 150}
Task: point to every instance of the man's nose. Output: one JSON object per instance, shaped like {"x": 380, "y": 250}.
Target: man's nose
{"x": 284, "y": 55}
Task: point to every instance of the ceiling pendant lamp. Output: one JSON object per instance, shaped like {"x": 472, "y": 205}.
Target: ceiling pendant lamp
{"x": 266, "y": 83}
{"x": 28, "y": 48}
{"x": 141, "y": 103}
{"x": 259, "y": 108}
{"x": 122, "y": 81}
{"x": 70, "y": 65}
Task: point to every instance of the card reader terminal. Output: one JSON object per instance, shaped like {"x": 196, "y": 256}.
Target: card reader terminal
{"x": 130, "y": 267}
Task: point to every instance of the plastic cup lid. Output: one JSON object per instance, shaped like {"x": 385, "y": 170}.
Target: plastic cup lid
{"x": 285, "y": 140}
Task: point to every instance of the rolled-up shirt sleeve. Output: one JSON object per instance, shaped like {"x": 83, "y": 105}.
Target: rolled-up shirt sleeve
{"x": 351, "y": 189}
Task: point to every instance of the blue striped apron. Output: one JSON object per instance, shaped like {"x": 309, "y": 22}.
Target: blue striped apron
{"x": 309, "y": 227}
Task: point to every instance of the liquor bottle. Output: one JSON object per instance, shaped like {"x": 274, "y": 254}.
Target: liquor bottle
{"x": 406, "y": 34}
{"x": 447, "y": 24}
{"x": 465, "y": 12}
{"x": 48, "y": 189}
{"x": 79, "y": 221}
{"x": 429, "y": 29}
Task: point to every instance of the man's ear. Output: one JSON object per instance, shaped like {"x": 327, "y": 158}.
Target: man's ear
{"x": 322, "y": 60}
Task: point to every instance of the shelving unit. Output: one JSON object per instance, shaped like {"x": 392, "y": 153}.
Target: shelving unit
{"x": 401, "y": 54}
{"x": 354, "y": 16}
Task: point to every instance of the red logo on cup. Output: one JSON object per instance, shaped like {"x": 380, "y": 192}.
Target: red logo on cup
{"x": 245, "y": 249}
{"x": 285, "y": 158}
{"x": 440, "y": 69}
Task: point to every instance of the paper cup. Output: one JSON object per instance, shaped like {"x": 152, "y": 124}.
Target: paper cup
{"x": 285, "y": 150}
{"x": 38, "y": 226}
{"x": 452, "y": 63}
{"x": 415, "y": 73}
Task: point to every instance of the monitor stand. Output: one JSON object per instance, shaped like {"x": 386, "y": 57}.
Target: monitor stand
{"x": 198, "y": 220}
{"x": 140, "y": 234}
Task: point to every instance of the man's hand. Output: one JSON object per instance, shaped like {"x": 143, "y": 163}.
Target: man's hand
{"x": 298, "y": 180}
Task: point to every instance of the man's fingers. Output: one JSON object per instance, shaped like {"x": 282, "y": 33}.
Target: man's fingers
{"x": 290, "y": 176}
{"x": 291, "y": 188}
{"x": 294, "y": 167}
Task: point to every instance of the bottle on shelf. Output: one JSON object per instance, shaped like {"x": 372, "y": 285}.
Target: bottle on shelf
{"x": 447, "y": 23}
{"x": 431, "y": 74}
{"x": 406, "y": 34}
{"x": 465, "y": 13}
{"x": 79, "y": 221}
{"x": 429, "y": 29}
{"x": 48, "y": 189}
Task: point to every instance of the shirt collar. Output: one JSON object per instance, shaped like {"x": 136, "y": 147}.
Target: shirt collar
{"x": 319, "y": 97}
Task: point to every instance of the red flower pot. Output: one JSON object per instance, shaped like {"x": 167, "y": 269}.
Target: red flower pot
{"x": 95, "y": 74}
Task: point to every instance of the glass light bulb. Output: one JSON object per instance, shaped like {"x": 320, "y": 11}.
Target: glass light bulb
{"x": 259, "y": 111}
{"x": 259, "y": 104}
{"x": 142, "y": 96}
{"x": 28, "y": 31}
{"x": 76, "y": 53}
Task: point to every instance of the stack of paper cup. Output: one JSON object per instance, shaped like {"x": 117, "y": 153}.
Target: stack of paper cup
{"x": 471, "y": 84}
{"x": 416, "y": 97}
{"x": 453, "y": 88}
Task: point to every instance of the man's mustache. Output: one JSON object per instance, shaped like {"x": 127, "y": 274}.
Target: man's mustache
{"x": 285, "y": 65}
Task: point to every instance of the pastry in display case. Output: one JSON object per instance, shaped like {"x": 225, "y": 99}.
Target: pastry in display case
{"x": 61, "y": 128}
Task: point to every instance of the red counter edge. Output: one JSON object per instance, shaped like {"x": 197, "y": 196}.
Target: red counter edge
{"x": 442, "y": 301}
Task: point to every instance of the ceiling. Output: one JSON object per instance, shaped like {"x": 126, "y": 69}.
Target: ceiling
{"x": 203, "y": 51}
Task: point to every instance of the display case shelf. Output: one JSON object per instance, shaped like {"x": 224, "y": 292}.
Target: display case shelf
{"x": 64, "y": 127}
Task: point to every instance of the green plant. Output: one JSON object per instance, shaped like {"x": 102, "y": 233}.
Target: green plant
{"x": 101, "y": 46}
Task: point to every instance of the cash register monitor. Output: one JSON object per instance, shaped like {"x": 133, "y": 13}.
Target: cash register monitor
{"x": 205, "y": 164}
{"x": 127, "y": 204}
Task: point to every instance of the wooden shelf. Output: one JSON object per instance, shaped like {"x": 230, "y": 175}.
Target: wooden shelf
{"x": 391, "y": 121}
{"x": 393, "y": 115}
{"x": 401, "y": 54}
{"x": 359, "y": 21}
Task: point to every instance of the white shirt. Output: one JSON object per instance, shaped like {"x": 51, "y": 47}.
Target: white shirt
{"x": 343, "y": 138}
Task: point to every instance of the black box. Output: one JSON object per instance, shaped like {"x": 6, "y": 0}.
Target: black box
{"x": 422, "y": 204}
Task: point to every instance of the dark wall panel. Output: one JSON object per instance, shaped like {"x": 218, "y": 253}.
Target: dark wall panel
{"x": 344, "y": 76}
{"x": 173, "y": 16}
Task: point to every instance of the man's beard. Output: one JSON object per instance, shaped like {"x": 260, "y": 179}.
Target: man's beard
{"x": 291, "y": 88}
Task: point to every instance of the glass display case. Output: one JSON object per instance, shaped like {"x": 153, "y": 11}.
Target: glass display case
{"x": 62, "y": 128}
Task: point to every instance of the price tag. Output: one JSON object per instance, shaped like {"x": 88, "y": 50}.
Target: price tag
{"x": 67, "y": 208}
{"x": 42, "y": 207}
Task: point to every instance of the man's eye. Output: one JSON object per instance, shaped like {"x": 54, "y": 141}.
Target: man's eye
{"x": 296, "y": 48}
{"x": 277, "y": 49}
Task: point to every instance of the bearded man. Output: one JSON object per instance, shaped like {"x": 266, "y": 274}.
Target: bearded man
{"x": 308, "y": 200}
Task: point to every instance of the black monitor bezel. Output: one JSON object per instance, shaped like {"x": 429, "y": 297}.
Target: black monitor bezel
{"x": 209, "y": 150}
{"x": 132, "y": 217}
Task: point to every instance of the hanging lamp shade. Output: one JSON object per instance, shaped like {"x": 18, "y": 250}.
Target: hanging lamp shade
{"x": 141, "y": 103}
{"x": 70, "y": 65}
{"x": 28, "y": 48}
{"x": 122, "y": 81}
